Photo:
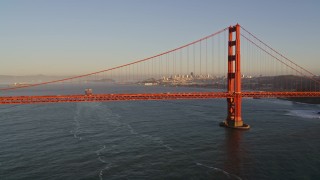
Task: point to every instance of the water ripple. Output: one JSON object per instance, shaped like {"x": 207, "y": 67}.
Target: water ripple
{"x": 229, "y": 175}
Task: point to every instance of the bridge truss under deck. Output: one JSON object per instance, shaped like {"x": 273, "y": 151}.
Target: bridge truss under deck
{"x": 146, "y": 97}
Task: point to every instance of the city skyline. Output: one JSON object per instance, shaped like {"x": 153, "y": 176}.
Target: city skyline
{"x": 76, "y": 37}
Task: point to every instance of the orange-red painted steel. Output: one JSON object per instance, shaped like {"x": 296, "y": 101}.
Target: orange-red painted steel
{"x": 238, "y": 77}
{"x": 279, "y": 94}
{"x": 231, "y": 74}
{"x": 145, "y": 97}
{"x": 234, "y": 78}
{"x": 108, "y": 97}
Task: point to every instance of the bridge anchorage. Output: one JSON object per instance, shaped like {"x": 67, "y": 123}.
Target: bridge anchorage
{"x": 234, "y": 119}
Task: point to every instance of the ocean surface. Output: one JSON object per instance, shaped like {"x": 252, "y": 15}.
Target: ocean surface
{"x": 157, "y": 139}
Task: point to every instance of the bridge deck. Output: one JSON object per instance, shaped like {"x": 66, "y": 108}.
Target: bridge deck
{"x": 155, "y": 96}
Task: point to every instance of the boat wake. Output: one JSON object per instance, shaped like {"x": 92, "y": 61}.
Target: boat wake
{"x": 310, "y": 114}
{"x": 157, "y": 140}
{"x": 98, "y": 152}
{"x": 100, "y": 157}
{"x": 76, "y": 130}
{"x": 275, "y": 101}
{"x": 114, "y": 120}
{"x": 229, "y": 175}
{"x": 108, "y": 166}
{"x": 116, "y": 124}
{"x": 85, "y": 110}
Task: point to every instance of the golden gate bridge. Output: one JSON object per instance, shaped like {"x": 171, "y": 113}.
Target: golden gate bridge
{"x": 256, "y": 70}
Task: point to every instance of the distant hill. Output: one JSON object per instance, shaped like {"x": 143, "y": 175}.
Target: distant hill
{"x": 103, "y": 80}
{"x": 7, "y": 79}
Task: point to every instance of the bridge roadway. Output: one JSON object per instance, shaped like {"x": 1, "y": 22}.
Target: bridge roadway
{"x": 143, "y": 97}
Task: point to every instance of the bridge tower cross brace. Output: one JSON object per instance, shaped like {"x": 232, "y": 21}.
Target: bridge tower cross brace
{"x": 234, "y": 118}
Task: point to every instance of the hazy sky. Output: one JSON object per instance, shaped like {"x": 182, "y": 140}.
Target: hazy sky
{"x": 76, "y": 36}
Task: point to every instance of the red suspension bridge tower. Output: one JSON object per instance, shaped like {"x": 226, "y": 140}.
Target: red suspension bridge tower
{"x": 234, "y": 119}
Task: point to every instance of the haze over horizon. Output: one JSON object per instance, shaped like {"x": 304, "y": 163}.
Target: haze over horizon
{"x": 76, "y": 37}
